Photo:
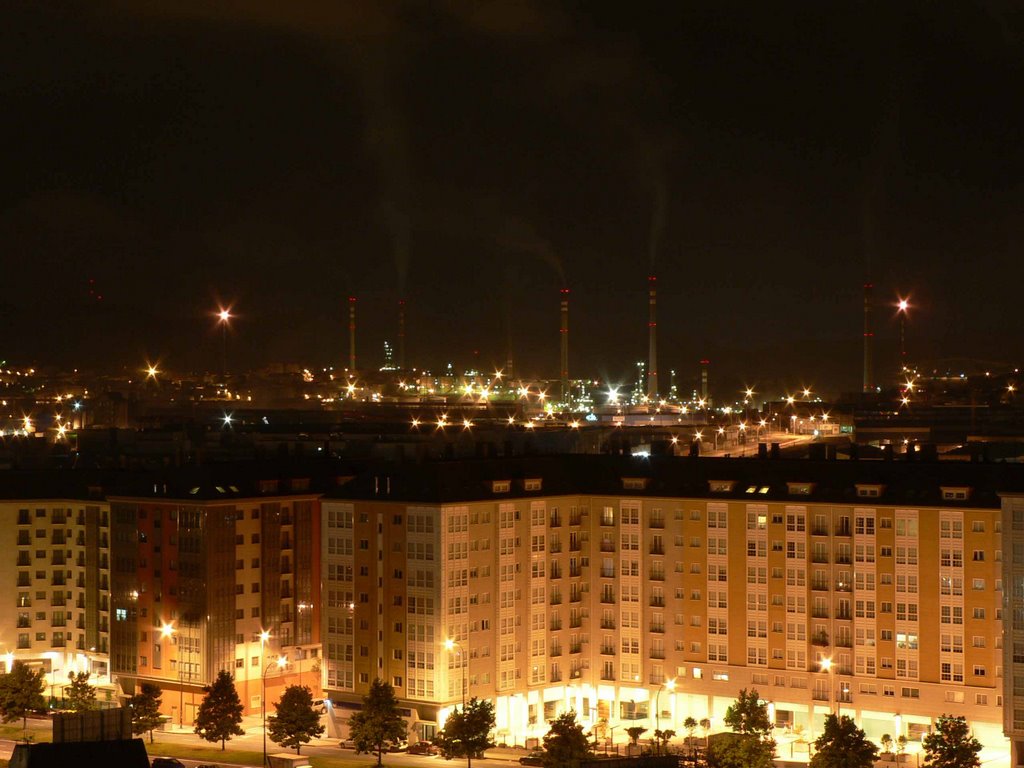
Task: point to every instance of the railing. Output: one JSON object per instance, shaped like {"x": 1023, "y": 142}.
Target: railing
{"x": 607, "y": 598}
{"x": 607, "y": 545}
{"x": 24, "y": 558}
{"x": 556, "y": 625}
{"x": 656, "y": 576}
{"x": 556, "y": 573}
{"x": 575, "y": 622}
{"x": 575, "y": 647}
{"x": 575, "y": 571}
{"x": 819, "y": 531}
{"x": 556, "y": 599}
{"x": 607, "y": 675}
{"x": 657, "y": 522}
{"x": 607, "y": 623}
{"x": 819, "y": 557}
{"x": 555, "y": 521}
{"x": 657, "y": 654}
{"x": 844, "y": 530}
{"x": 658, "y": 627}
{"x": 820, "y": 586}
{"x": 657, "y": 601}
{"x": 575, "y": 597}
{"x": 842, "y": 559}
{"x": 24, "y": 623}
{"x": 608, "y": 650}
{"x": 555, "y": 676}
{"x": 575, "y": 519}
{"x": 819, "y": 613}
{"x": 844, "y": 586}
{"x": 657, "y": 549}
{"x": 554, "y": 547}
{"x": 844, "y": 642}
{"x": 844, "y": 615}
{"x": 556, "y": 650}
{"x": 607, "y": 573}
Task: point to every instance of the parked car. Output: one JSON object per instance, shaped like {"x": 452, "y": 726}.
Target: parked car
{"x": 401, "y": 746}
{"x": 534, "y": 758}
{"x": 167, "y": 762}
{"x": 422, "y": 748}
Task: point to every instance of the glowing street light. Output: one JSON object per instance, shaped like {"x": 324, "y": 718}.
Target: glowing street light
{"x": 151, "y": 371}
{"x": 827, "y": 666}
{"x": 669, "y": 685}
{"x": 902, "y": 306}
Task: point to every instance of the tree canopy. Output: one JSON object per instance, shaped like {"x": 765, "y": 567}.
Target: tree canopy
{"x": 467, "y": 732}
{"x": 951, "y": 745}
{"x": 843, "y": 745}
{"x": 79, "y": 694}
{"x": 220, "y": 713}
{"x": 145, "y": 710}
{"x": 297, "y": 720}
{"x": 21, "y": 692}
{"x": 379, "y": 723}
{"x": 565, "y": 744}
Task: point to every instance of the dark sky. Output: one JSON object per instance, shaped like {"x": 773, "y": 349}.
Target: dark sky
{"x": 466, "y": 155}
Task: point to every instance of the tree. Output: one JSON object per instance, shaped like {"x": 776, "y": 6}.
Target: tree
{"x": 220, "y": 713}
{"x": 748, "y": 714}
{"x": 79, "y": 694}
{"x": 843, "y": 745}
{"x": 21, "y": 692}
{"x": 635, "y": 733}
{"x": 145, "y": 710}
{"x": 750, "y": 745}
{"x": 901, "y": 745}
{"x": 705, "y": 724}
{"x": 951, "y": 744}
{"x": 886, "y": 744}
{"x": 378, "y": 723}
{"x": 662, "y": 738}
{"x": 296, "y": 721}
{"x": 565, "y": 743}
{"x": 467, "y": 733}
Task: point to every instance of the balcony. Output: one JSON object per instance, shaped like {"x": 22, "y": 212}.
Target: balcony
{"x": 80, "y": 603}
{"x": 657, "y": 601}
{"x": 657, "y": 653}
{"x": 658, "y": 575}
{"x": 657, "y": 549}
{"x": 58, "y": 580}
{"x": 576, "y": 597}
{"x": 819, "y": 557}
{"x": 24, "y": 622}
{"x": 819, "y": 586}
{"x": 556, "y": 625}
{"x": 607, "y": 573}
{"x": 607, "y": 650}
{"x": 657, "y": 627}
{"x": 575, "y": 571}
{"x": 555, "y": 547}
{"x": 607, "y": 545}
{"x": 844, "y": 642}
{"x": 843, "y": 586}
{"x": 575, "y": 622}
{"x": 574, "y": 674}
{"x": 23, "y": 644}
{"x": 24, "y": 559}
{"x": 24, "y": 539}
{"x": 575, "y": 647}
{"x": 819, "y": 638}
{"x": 657, "y": 522}
{"x": 59, "y": 643}
{"x": 844, "y": 615}
{"x": 607, "y": 598}
{"x": 606, "y": 675}
{"x": 24, "y": 580}
{"x": 555, "y": 521}
{"x": 844, "y": 530}
{"x": 820, "y": 695}
{"x": 575, "y": 519}
{"x": 80, "y": 540}
{"x": 843, "y": 559}
{"x": 819, "y": 531}
{"x": 556, "y": 572}
{"x": 574, "y": 546}
{"x": 556, "y": 650}
{"x": 80, "y": 561}
{"x": 819, "y": 613}
{"x": 556, "y": 599}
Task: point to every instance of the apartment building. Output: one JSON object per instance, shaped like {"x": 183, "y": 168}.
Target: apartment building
{"x": 642, "y": 592}
{"x": 57, "y": 570}
{"x": 216, "y": 570}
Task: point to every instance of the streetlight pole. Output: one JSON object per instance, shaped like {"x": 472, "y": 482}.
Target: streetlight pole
{"x": 826, "y": 664}
{"x": 450, "y": 645}
{"x": 280, "y": 663}
{"x": 224, "y": 317}
{"x": 671, "y": 685}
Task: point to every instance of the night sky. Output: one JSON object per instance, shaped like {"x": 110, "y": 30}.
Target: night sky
{"x": 469, "y": 156}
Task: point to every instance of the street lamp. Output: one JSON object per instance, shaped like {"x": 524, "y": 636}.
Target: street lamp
{"x": 826, "y": 665}
{"x": 167, "y": 630}
{"x": 670, "y": 684}
{"x": 280, "y": 663}
{"x": 224, "y": 319}
{"x": 449, "y": 646}
{"x": 902, "y": 305}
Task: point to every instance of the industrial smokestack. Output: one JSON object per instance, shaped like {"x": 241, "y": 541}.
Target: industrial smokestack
{"x": 564, "y": 359}
{"x": 652, "y": 332}
{"x": 869, "y": 338}
{"x": 352, "y": 333}
{"x": 401, "y": 334}
{"x": 704, "y": 366}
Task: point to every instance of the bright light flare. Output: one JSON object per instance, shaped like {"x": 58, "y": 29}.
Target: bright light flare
{"x": 151, "y": 371}
{"x": 698, "y": 435}
{"x": 467, "y": 424}
{"x": 227, "y": 419}
{"x": 902, "y": 305}
{"x": 224, "y": 315}
{"x": 166, "y": 630}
